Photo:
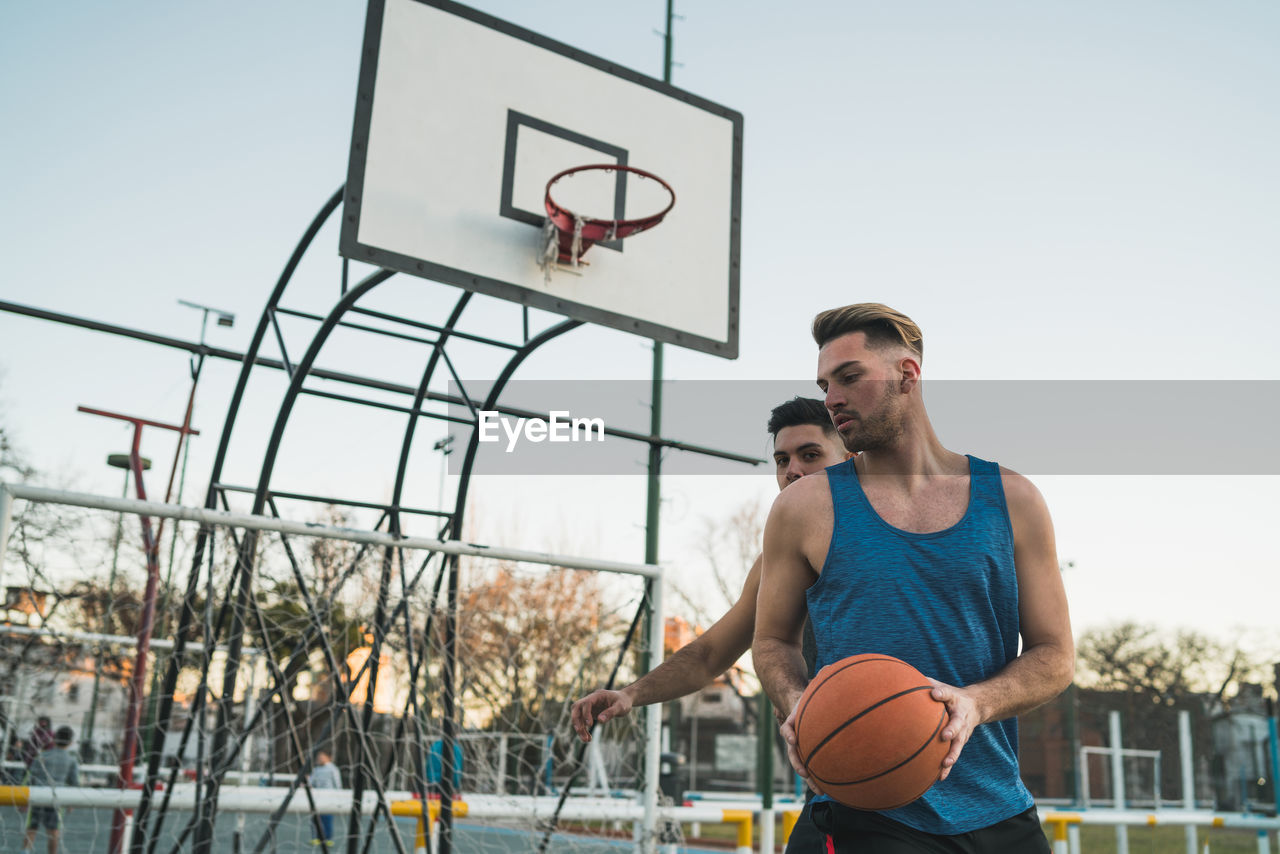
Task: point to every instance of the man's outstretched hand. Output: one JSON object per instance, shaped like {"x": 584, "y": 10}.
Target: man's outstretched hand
{"x": 597, "y": 707}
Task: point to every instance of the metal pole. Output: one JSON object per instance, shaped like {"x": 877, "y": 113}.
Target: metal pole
{"x": 1117, "y": 781}
{"x": 1275, "y": 748}
{"x": 1188, "y": 776}
{"x": 1274, "y": 740}
{"x": 305, "y": 529}
{"x": 666, "y": 48}
{"x": 137, "y": 681}
{"x": 653, "y": 723}
{"x": 1077, "y": 769}
{"x": 91, "y": 721}
{"x": 6, "y": 520}
{"x": 248, "y": 747}
{"x": 764, "y": 734}
{"x": 653, "y": 505}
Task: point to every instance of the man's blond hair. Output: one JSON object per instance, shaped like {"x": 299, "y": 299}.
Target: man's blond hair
{"x": 883, "y": 326}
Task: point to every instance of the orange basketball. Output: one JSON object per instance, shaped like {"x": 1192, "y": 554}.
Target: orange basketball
{"x": 869, "y": 733}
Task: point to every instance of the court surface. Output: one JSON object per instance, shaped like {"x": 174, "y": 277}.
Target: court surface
{"x": 89, "y": 831}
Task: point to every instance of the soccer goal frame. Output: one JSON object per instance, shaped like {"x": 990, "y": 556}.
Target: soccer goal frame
{"x": 653, "y": 574}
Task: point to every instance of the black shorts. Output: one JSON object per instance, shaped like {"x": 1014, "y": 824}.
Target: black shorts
{"x": 47, "y": 817}
{"x": 837, "y": 829}
{"x": 805, "y": 838}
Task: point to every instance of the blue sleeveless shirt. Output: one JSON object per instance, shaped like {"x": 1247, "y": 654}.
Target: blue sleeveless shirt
{"x": 945, "y": 602}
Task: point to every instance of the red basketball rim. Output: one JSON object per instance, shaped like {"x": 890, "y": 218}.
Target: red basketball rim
{"x": 595, "y": 229}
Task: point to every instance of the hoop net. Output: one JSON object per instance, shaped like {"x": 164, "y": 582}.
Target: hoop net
{"x": 567, "y": 235}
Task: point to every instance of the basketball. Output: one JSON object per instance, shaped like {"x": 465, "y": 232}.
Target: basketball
{"x": 869, "y": 732}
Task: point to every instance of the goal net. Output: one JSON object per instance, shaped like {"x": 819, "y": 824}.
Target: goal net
{"x": 283, "y": 652}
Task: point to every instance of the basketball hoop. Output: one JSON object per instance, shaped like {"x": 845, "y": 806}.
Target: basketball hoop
{"x": 569, "y": 235}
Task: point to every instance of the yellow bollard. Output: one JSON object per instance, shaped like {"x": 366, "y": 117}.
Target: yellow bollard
{"x": 789, "y": 819}
{"x": 745, "y": 819}
{"x": 427, "y": 822}
{"x": 1060, "y": 821}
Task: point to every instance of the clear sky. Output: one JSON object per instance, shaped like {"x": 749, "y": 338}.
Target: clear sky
{"x": 1080, "y": 190}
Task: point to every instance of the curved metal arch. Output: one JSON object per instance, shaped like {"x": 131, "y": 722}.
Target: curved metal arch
{"x": 449, "y": 674}
{"x": 260, "y": 333}
{"x": 186, "y": 618}
{"x": 247, "y": 546}
{"x": 248, "y": 549}
{"x": 411, "y": 424}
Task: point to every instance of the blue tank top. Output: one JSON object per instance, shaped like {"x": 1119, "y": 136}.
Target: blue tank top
{"x": 945, "y": 602}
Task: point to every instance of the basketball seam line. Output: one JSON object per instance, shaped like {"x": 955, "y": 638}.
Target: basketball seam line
{"x": 919, "y": 750}
{"x": 825, "y": 680}
{"x": 862, "y": 714}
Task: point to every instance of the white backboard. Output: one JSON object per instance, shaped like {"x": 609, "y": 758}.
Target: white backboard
{"x": 461, "y": 120}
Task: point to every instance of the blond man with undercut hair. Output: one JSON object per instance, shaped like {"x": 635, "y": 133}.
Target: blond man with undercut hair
{"x": 938, "y": 558}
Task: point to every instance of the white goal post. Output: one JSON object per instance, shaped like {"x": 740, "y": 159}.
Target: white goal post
{"x": 646, "y": 839}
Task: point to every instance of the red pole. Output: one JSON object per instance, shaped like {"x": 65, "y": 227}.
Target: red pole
{"x": 137, "y": 680}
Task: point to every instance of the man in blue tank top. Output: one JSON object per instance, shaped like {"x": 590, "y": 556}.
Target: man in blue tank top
{"x": 804, "y": 442}
{"x": 943, "y": 560}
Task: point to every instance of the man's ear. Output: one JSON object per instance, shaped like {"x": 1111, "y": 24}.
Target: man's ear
{"x": 908, "y": 374}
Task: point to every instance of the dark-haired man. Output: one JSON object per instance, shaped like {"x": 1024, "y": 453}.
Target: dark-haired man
{"x": 804, "y": 442}
{"x": 943, "y": 560}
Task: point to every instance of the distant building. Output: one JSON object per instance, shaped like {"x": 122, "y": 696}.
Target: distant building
{"x": 24, "y": 606}
{"x": 1241, "y": 764}
{"x": 42, "y": 677}
{"x": 713, "y": 729}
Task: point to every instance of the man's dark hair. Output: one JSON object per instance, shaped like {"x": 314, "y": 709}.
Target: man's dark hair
{"x": 43, "y": 720}
{"x": 798, "y": 411}
{"x": 63, "y": 736}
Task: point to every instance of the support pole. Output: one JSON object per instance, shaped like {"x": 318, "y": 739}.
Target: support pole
{"x": 1188, "y": 776}
{"x": 137, "y": 680}
{"x": 1273, "y": 737}
{"x": 645, "y": 838}
{"x": 653, "y": 724}
{"x": 764, "y": 774}
{"x": 1060, "y": 839}
{"x": 6, "y": 521}
{"x": 1117, "y": 781}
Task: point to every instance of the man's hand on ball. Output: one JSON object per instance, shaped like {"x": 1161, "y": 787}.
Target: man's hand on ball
{"x": 963, "y": 718}
{"x": 788, "y": 733}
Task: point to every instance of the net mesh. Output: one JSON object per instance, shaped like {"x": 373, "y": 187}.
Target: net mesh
{"x": 292, "y": 645}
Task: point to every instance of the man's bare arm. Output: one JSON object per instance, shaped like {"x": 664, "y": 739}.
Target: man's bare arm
{"x": 780, "y": 605}
{"x": 689, "y": 669}
{"x": 1046, "y": 664}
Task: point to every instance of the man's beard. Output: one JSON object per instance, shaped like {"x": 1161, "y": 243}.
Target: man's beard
{"x": 877, "y": 431}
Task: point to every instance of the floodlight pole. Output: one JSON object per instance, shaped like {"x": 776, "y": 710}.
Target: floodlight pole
{"x": 137, "y": 679}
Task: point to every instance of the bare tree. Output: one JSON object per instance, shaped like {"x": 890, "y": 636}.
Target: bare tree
{"x": 729, "y": 545}
{"x": 529, "y": 641}
{"x": 1163, "y": 666}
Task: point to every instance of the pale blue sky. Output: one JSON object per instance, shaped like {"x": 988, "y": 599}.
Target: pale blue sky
{"x": 1057, "y": 190}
